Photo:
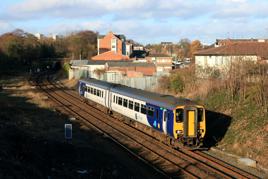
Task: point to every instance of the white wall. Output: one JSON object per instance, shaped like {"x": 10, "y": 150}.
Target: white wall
{"x": 219, "y": 62}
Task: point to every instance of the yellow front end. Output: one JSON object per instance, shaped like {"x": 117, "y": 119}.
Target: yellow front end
{"x": 189, "y": 124}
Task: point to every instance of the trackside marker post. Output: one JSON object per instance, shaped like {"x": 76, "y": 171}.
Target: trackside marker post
{"x": 68, "y": 131}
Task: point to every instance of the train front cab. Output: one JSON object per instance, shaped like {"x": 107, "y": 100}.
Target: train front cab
{"x": 189, "y": 125}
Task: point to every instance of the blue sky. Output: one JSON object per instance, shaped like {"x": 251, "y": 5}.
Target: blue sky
{"x": 145, "y": 21}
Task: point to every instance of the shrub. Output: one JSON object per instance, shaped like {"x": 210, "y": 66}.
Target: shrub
{"x": 176, "y": 83}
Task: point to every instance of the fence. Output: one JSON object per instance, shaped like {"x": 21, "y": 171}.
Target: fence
{"x": 144, "y": 83}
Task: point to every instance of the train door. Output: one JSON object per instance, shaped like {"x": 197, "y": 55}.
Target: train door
{"x": 164, "y": 124}
{"x": 108, "y": 99}
{"x": 190, "y": 122}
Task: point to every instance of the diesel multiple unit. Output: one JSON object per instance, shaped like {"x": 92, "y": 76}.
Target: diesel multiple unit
{"x": 181, "y": 119}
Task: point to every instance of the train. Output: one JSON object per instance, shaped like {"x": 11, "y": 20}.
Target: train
{"x": 180, "y": 119}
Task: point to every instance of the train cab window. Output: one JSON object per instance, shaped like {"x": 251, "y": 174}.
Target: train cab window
{"x": 84, "y": 88}
{"x": 130, "y": 104}
{"x": 137, "y": 107}
{"x": 157, "y": 113}
{"x": 150, "y": 111}
{"x": 143, "y": 109}
{"x": 125, "y": 103}
{"x": 199, "y": 114}
{"x": 179, "y": 115}
{"x": 119, "y": 100}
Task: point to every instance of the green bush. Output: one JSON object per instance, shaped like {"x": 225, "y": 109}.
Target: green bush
{"x": 177, "y": 84}
{"x": 66, "y": 68}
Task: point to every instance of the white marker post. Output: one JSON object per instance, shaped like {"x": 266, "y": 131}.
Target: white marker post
{"x": 68, "y": 132}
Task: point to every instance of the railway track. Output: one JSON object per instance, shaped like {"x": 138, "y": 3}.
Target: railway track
{"x": 170, "y": 163}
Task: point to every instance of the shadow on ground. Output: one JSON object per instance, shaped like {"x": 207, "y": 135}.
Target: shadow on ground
{"x": 217, "y": 125}
{"x": 32, "y": 145}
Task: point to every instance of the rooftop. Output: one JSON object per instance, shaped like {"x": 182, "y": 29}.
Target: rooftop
{"x": 249, "y": 48}
{"x": 128, "y": 64}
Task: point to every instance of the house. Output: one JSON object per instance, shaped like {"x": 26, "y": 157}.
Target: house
{"x": 111, "y": 47}
{"x": 85, "y": 68}
{"x": 39, "y": 36}
{"x": 129, "y": 48}
{"x": 163, "y": 62}
{"x": 222, "y": 57}
{"x": 138, "y": 47}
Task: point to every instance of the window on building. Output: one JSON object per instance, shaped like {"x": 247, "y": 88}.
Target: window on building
{"x": 125, "y": 103}
{"x": 130, "y": 104}
{"x": 179, "y": 115}
{"x": 137, "y": 107}
{"x": 143, "y": 109}
{"x": 119, "y": 100}
{"x": 150, "y": 111}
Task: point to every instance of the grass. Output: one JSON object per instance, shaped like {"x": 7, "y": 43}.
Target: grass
{"x": 246, "y": 134}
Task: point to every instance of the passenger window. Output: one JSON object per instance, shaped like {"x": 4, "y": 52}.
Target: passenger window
{"x": 199, "y": 114}
{"x": 150, "y": 111}
{"x": 120, "y": 101}
{"x": 179, "y": 115}
{"x": 91, "y": 90}
{"x": 130, "y": 104}
{"x": 114, "y": 98}
{"x": 98, "y": 92}
{"x": 143, "y": 109}
{"x": 95, "y": 92}
{"x": 125, "y": 103}
{"x": 137, "y": 107}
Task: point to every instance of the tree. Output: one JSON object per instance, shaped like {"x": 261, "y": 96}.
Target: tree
{"x": 82, "y": 44}
{"x": 184, "y": 50}
{"x": 194, "y": 47}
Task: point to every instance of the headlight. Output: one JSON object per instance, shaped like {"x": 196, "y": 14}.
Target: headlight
{"x": 179, "y": 132}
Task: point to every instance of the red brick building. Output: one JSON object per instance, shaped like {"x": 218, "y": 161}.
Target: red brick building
{"x": 111, "y": 47}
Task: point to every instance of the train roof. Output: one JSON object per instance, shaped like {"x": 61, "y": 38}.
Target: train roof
{"x": 165, "y": 101}
{"x": 98, "y": 83}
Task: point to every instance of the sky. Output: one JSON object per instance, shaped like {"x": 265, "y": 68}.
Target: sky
{"x": 145, "y": 21}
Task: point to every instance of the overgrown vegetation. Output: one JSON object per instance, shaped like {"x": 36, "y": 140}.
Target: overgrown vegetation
{"x": 239, "y": 92}
{"x": 20, "y": 50}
